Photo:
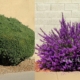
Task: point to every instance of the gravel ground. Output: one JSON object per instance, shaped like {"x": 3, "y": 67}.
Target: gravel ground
{"x": 27, "y": 65}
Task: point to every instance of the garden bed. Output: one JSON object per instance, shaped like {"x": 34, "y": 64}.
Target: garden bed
{"x": 26, "y": 65}
{"x": 37, "y": 68}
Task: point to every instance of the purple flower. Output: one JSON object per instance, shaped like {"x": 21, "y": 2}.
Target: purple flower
{"x": 61, "y": 51}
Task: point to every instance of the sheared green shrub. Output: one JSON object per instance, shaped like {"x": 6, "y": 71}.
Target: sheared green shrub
{"x": 16, "y": 41}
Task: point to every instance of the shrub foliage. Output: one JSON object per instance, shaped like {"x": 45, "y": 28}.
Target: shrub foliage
{"x": 16, "y": 41}
{"x": 61, "y": 51}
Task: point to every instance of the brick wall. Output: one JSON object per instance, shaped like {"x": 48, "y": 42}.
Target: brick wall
{"x": 48, "y": 14}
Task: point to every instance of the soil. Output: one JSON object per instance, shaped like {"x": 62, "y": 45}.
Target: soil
{"x": 37, "y": 69}
{"x": 26, "y": 65}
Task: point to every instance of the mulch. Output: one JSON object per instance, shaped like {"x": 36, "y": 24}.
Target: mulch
{"x": 37, "y": 68}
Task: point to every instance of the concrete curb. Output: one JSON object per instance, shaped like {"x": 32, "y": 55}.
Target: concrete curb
{"x": 30, "y": 75}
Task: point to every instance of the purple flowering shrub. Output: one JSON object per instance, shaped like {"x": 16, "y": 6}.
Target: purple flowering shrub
{"x": 61, "y": 51}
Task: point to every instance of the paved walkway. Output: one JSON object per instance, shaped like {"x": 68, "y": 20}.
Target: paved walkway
{"x": 57, "y": 75}
{"x": 19, "y": 76}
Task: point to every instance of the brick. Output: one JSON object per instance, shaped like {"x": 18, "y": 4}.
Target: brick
{"x": 75, "y": 1}
{"x": 37, "y": 41}
{"x": 63, "y": 1}
{"x": 58, "y": 14}
{"x": 48, "y": 28}
{"x": 67, "y": 14}
{"x": 72, "y": 7}
{"x": 45, "y": 1}
{"x": 72, "y": 20}
{"x": 76, "y": 14}
{"x": 43, "y": 21}
{"x": 35, "y": 7}
{"x": 75, "y": 19}
{"x": 55, "y": 21}
{"x": 37, "y": 28}
{"x": 79, "y": 6}
{"x": 40, "y": 14}
{"x": 43, "y": 7}
{"x": 37, "y": 36}
{"x": 52, "y": 14}
{"x": 47, "y": 14}
{"x": 53, "y": 1}
{"x": 57, "y": 7}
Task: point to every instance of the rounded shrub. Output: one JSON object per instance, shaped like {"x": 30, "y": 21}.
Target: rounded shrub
{"x": 16, "y": 41}
{"x": 60, "y": 51}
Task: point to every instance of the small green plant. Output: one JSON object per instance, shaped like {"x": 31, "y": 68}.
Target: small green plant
{"x": 16, "y": 41}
